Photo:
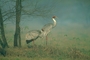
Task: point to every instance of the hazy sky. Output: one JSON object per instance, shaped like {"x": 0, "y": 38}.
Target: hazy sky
{"x": 68, "y": 12}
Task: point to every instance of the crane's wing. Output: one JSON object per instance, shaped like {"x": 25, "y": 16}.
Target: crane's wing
{"x": 32, "y": 34}
{"x": 47, "y": 27}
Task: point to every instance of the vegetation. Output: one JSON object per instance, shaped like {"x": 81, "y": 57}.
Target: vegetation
{"x": 60, "y": 47}
{"x": 3, "y": 52}
{"x": 41, "y": 52}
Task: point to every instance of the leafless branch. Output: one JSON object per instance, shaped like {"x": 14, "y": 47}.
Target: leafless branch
{"x": 38, "y": 10}
{"x": 8, "y": 18}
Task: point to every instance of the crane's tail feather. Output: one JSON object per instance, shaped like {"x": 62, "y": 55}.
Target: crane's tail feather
{"x": 28, "y": 41}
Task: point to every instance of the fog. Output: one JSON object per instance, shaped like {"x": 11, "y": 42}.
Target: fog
{"x": 68, "y": 13}
{"x": 71, "y": 14}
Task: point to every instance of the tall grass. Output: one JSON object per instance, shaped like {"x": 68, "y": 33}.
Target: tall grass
{"x": 62, "y": 45}
{"x": 43, "y": 52}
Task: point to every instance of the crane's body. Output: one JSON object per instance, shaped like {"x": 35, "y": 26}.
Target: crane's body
{"x": 47, "y": 28}
{"x": 32, "y": 35}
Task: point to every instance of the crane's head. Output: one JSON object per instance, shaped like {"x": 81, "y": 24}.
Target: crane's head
{"x": 54, "y": 17}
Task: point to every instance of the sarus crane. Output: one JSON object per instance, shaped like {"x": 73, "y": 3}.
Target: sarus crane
{"x": 47, "y": 28}
{"x": 34, "y": 34}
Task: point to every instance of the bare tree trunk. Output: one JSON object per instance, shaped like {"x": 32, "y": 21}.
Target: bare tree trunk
{"x": 5, "y": 44}
{"x": 17, "y": 37}
{"x": 1, "y": 43}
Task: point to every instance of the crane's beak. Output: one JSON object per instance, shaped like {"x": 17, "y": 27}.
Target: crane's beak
{"x": 56, "y": 17}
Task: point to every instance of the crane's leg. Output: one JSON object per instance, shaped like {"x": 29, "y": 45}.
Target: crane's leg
{"x": 46, "y": 39}
{"x": 33, "y": 42}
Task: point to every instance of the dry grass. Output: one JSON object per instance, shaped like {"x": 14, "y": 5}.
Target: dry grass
{"x": 62, "y": 45}
{"x": 42, "y": 52}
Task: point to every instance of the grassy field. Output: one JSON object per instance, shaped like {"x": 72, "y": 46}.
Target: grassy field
{"x": 70, "y": 44}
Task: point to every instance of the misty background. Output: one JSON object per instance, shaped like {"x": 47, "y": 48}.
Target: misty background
{"x": 72, "y": 16}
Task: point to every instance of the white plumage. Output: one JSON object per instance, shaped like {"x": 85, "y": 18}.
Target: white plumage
{"x": 47, "y": 28}
{"x": 32, "y": 35}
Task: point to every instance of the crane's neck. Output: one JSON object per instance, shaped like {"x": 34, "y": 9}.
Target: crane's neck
{"x": 54, "y": 24}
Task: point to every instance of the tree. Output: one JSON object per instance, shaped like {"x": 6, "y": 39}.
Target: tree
{"x": 17, "y": 37}
{"x": 36, "y": 8}
{"x": 3, "y": 41}
{"x": 5, "y": 15}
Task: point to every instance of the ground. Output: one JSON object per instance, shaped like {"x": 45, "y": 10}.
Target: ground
{"x": 62, "y": 45}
